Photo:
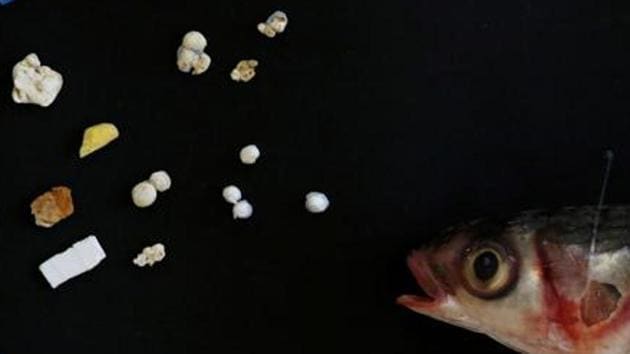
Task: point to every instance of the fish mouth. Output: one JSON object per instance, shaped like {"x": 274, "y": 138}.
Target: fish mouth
{"x": 432, "y": 293}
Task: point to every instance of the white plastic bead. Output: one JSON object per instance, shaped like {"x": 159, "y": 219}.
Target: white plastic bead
{"x": 232, "y": 194}
{"x": 160, "y": 180}
{"x": 143, "y": 194}
{"x": 249, "y": 154}
{"x": 242, "y": 210}
{"x": 316, "y": 202}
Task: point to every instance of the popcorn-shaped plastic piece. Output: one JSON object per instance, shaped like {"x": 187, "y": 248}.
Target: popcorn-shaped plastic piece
{"x": 52, "y": 206}
{"x": 81, "y": 257}
{"x": 190, "y": 55}
{"x": 34, "y": 83}
{"x": 150, "y": 255}
{"x": 96, "y": 137}
{"x": 276, "y": 23}
{"x": 244, "y": 71}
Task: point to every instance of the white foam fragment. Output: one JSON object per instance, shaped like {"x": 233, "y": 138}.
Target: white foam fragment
{"x": 81, "y": 257}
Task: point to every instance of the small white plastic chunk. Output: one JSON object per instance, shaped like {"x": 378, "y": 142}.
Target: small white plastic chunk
{"x": 249, "y": 154}
{"x": 144, "y": 194}
{"x": 160, "y": 180}
{"x": 242, "y": 210}
{"x": 150, "y": 255}
{"x": 81, "y": 257}
{"x": 190, "y": 55}
{"x": 34, "y": 83}
{"x": 232, "y": 194}
{"x": 276, "y": 23}
{"x": 316, "y": 202}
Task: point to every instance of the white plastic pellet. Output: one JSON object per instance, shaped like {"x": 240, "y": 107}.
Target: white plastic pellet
{"x": 144, "y": 194}
{"x": 316, "y": 202}
{"x": 81, "y": 257}
{"x": 160, "y": 180}
{"x": 249, "y": 154}
{"x": 232, "y": 194}
{"x": 242, "y": 210}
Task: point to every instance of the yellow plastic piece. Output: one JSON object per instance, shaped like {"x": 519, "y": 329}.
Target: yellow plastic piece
{"x": 96, "y": 137}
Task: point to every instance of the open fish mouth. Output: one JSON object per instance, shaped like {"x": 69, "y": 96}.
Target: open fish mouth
{"x": 432, "y": 293}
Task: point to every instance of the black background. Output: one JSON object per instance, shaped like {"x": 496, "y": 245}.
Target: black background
{"x": 410, "y": 114}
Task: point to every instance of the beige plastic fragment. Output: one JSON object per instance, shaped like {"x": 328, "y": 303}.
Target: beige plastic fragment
{"x": 276, "y": 23}
{"x": 150, "y": 255}
{"x": 96, "y": 137}
{"x": 244, "y": 71}
{"x": 52, "y": 206}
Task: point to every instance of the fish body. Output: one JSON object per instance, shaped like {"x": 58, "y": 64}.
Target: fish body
{"x": 533, "y": 281}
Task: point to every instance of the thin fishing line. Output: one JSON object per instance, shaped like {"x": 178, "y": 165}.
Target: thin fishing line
{"x": 609, "y": 156}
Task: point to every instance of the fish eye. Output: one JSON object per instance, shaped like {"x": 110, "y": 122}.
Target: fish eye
{"x": 488, "y": 271}
{"x": 486, "y": 265}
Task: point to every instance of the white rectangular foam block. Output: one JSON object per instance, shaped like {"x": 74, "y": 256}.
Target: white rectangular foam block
{"x": 81, "y": 257}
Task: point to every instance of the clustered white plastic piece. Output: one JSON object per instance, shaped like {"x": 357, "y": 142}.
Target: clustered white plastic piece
{"x": 150, "y": 255}
{"x": 316, "y": 202}
{"x": 34, "y": 83}
{"x": 81, "y": 257}
{"x": 145, "y": 193}
{"x": 249, "y": 154}
{"x": 276, "y": 23}
{"x": 242, "y": 209}
{"x": 245, "y": 70}
{"x": 191, "y": 56}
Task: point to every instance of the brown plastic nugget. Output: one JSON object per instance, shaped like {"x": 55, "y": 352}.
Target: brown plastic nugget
{"x": 52, "y": 206}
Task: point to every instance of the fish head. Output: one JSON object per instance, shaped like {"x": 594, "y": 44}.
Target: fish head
{"x": 489, "y": 280}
